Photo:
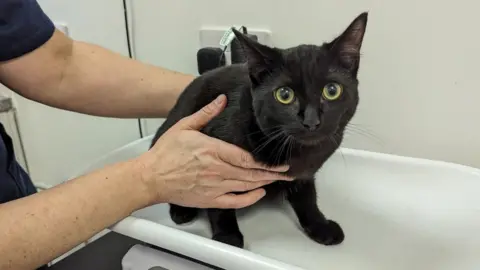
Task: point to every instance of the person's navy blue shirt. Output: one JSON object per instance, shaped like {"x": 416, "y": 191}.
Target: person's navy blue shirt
{"x": 23, "y": 28}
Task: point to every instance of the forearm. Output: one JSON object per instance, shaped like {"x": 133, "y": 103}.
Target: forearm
{"x": 38, "y": 228}
{"x": 100, "y": 82}
{"x": 89, "y": 79}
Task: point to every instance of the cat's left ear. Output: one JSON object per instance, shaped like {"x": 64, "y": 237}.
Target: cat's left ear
{"x": 347, "y": 46}
{"x": 261, "y": 59}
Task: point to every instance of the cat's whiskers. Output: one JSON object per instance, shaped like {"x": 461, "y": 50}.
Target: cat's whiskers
{"x": 266, "y": 137}
{"x": 288, "y": 149}
{"x": 271, "y": 137}
{"x": 356, "y": 129}
{"x": 264, "y": 130}
{"x": 274, "y": 152}
{"x": 283, "y": 145}
{"x": 291, "y": 145}
{"x": 333, "y": 140}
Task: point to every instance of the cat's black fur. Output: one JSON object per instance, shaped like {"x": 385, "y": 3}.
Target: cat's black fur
{"x": 303, "y": 134}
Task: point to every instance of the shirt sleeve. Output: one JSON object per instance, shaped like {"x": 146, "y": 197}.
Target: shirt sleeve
{"x": 23, "y": 28}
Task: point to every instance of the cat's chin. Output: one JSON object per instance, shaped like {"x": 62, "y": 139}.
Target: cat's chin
{"x": 310, "y": 141}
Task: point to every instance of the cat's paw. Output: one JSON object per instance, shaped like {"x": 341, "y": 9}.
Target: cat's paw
{"x": 233, "y": 239}
{"x": 182, "y": 215}
{"x": 329, "y": 233}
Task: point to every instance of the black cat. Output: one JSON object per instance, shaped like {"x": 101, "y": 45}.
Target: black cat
{"x": 285, "y": 106}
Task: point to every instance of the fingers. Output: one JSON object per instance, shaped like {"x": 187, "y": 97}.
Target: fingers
{"x": 238, "y": 157}
{"x": 253, "y": 175}
{"x": 240, "y": 186}
{"x": 233, "y": 201}
{"x": 200, "y": 118}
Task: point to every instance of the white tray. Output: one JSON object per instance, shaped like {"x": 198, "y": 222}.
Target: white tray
{"x": 398, "y": 213}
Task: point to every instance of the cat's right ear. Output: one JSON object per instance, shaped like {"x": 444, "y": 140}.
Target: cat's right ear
{"x": 261, "y": 59}
{"x": 347, "y": 46}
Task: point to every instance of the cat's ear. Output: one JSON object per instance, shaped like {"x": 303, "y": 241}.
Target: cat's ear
{"x": 346, "y": 47}
{"x": 261, "y": 59}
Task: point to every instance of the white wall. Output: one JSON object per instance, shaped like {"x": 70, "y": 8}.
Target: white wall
{"x": 58, "y": 142}
{"x": 419, "y": 82}
{"x": 418, "y": 74}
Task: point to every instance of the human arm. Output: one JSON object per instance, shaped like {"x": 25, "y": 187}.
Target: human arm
{"x": 184, "y": 167}
{"x": 87, "y": 78}
{"x": 38, "y": 228}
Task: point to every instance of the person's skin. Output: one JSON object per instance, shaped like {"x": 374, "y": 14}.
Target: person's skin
{"x": 184, "y": 167}
{"x": 86, "y": 78}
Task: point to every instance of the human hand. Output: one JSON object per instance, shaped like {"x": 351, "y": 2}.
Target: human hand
{"x": 188, "y": 168}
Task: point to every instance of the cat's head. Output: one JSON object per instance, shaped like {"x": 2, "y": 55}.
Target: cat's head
{"x": 309, "y": 91}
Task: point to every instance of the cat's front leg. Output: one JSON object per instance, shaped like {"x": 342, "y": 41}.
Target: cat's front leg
{"x": 225, "y": 227}
{"x": 302, "y": 195}
{"x": 181, "y": 215}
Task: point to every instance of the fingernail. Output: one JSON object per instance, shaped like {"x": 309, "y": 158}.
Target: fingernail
{"x": 219, "y": 99}
{"x": 287, "y": 177}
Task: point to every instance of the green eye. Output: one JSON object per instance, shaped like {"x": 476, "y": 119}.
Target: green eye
{"x": 284, "y": 95}
{"x": 332, "y": 91}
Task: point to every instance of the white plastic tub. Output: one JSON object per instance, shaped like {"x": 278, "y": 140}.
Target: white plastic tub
{"x": 398, "y": 213}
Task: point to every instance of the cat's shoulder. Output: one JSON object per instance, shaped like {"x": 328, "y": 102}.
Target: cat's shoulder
{"x": 230, "y": 80}
{"x": 236, "y": 70}
{"x": 230, "y": 76}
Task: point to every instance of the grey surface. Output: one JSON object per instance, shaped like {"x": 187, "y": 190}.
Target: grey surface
{"x": 5, "y": 103}
{"x": 147, "y": 257}
{"x": 105, "y": 253}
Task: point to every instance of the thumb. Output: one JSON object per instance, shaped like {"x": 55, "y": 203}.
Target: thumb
{"x": 199, "y": 119}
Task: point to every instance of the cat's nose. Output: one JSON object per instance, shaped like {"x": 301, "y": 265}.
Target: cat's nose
{"x": 312, "y": 125}
{"x": 311, "y": 120}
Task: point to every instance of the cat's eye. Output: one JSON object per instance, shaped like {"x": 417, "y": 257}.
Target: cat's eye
{"x": 284, "y": 95}
{"x": 332, "y": 91}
